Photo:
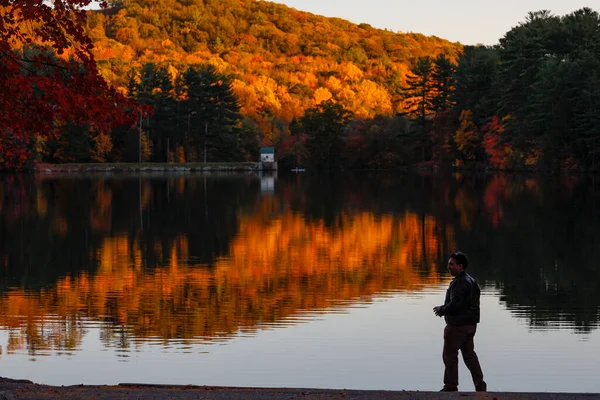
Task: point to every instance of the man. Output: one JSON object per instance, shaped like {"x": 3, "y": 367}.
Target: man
{"x": 461, "y": 312}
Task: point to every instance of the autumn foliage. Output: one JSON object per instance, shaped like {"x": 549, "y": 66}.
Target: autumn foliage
{"x": 414, "y": 99}
{"x": 48, "y": 77}
{"x": 497, "y": 147}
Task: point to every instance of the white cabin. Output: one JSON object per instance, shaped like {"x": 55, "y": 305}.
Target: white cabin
{"x": 267, "y": 154}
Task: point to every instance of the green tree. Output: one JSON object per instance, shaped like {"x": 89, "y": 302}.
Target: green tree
{"x": 164, "y": 130}
{"x": 443, "y": 83}
{"x": 249, "y": 134}
{"x": 548, "y": 70}
{"x": 419, "y": 99}
{"x": 72, "y": 146}
{"x": 476, "y": 77}
{"x": 419, "y": 91}
{"x": 523, "y": 52}
{"x": 324, "y": 126}
{"x": 215, "y": 115}
{"x": 582, "y": 35}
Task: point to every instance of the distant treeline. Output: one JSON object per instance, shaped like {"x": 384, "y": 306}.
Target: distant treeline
{"x": 215, "y": 80}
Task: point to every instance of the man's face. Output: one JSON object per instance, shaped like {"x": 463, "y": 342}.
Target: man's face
{"x": 454, "y": 268}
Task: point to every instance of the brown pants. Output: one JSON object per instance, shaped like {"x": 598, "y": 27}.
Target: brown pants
{"x": 461, "y": 338}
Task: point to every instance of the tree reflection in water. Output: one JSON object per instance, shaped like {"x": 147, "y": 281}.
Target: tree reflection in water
{"x": 201, "y": 258}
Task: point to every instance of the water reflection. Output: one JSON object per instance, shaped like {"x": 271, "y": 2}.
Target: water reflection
{"x": 201, "y": 258}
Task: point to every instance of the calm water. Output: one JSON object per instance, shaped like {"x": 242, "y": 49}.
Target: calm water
{"x": 329, "y": 282}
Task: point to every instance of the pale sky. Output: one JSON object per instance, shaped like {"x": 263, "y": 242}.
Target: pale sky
{"x": 464, "y": 21}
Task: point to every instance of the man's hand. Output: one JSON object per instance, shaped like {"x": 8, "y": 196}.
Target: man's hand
{"x": 437, "y": 310}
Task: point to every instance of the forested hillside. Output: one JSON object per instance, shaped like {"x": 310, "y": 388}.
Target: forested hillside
{"x": 282, "y": 60}
{"x": 213, "y": 80}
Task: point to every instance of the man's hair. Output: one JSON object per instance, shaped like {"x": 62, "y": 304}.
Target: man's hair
{"x": 460, "y": 258}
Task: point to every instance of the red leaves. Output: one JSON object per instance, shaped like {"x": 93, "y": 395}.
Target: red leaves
{"x": 498, "y": 148}
{"x": 39, "y": 92}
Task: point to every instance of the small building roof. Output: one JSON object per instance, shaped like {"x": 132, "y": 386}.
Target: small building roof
{"x": 267, "y": 150}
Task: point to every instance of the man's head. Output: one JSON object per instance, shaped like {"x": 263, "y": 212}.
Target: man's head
{"x": 457, "y": 263}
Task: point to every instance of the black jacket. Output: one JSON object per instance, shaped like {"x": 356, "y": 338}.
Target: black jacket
{"x": 461, "y": 306}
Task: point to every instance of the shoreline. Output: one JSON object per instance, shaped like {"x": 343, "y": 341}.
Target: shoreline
{"x": 259, "y": 166}
{"x": 24, "y": 389}
{"x": 152, "y": 167}
{"x": 199, "y": 167}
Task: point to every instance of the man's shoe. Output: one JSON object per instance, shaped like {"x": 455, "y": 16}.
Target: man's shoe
{"x": 449, "y": 390}
{"x": 481, "y": 388}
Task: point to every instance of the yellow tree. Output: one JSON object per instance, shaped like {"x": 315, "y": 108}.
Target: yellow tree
{"x": 468, "y": 138}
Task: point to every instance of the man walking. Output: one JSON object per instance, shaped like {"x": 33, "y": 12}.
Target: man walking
{"x": 461, "y": 312}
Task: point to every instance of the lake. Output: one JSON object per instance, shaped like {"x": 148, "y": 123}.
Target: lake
{"x": 293, "y": 280}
